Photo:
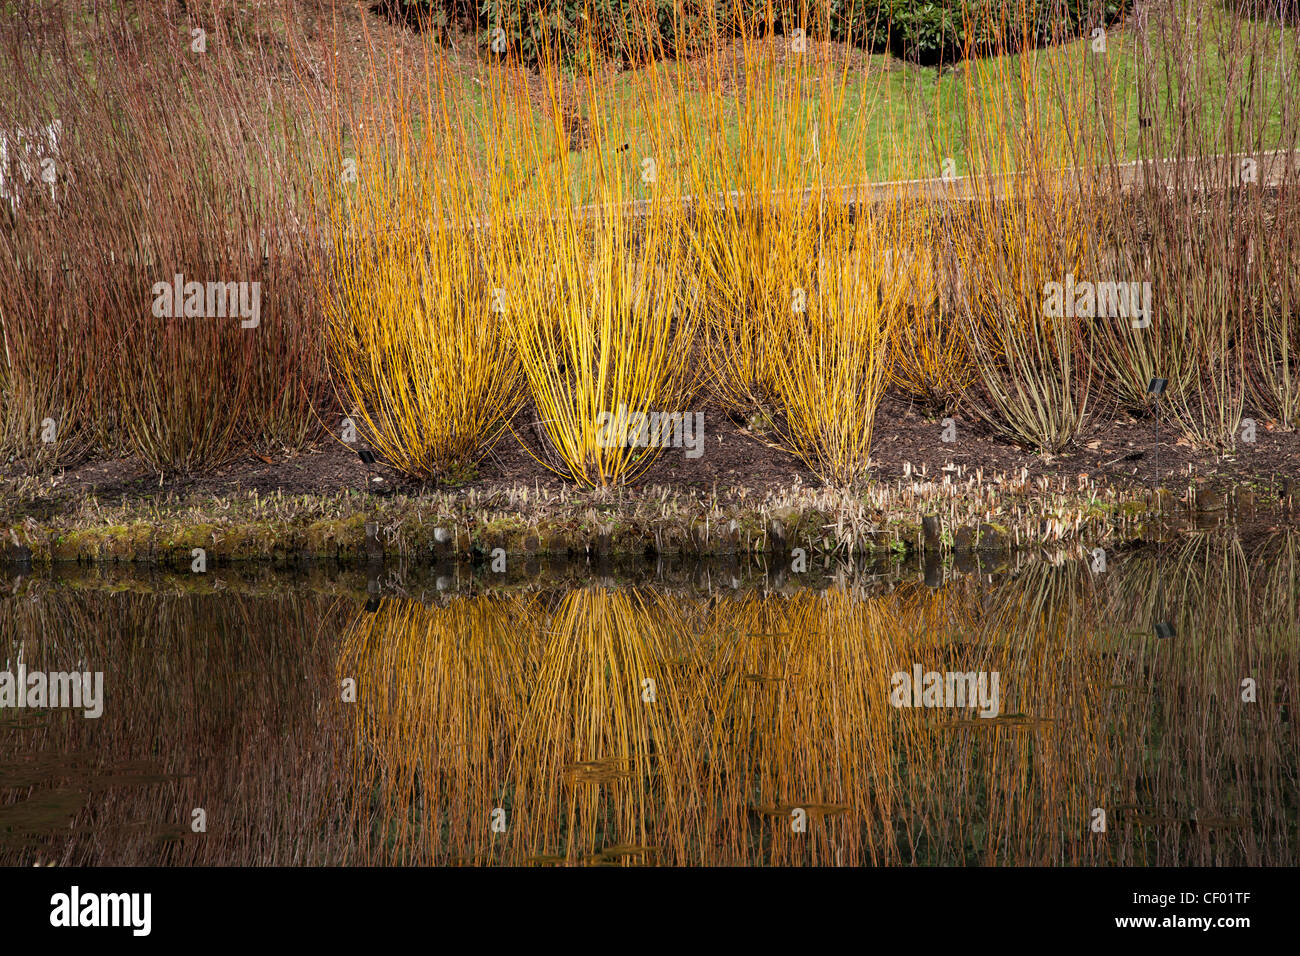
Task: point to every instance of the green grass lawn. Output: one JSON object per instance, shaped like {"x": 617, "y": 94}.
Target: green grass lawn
{"x": 898, "y": 120}
{"x": 1204, "y": 96}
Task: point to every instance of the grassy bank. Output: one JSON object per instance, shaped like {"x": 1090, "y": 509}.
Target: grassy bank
{"x": 482, "y": 525}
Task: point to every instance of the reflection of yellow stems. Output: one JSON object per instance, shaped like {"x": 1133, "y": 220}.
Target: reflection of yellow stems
{"x": 442, "y": 693}
{"x": 632, "y": 727}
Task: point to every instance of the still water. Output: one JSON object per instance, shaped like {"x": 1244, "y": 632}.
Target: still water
{"x": 1136, "y": 712}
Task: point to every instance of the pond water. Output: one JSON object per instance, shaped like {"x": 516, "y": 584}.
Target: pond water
{"x": 1138, "y": 711}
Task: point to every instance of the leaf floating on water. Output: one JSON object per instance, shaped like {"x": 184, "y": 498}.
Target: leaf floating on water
{"x": 1222, "y": 823}
{"x": 42, "y": 814}
{"x": 36, "y": 769}
{"x": 133, "y": 780}
{"x": 24, "y": 720}
{"x": 483, "y": 856}
{"x": 175, "y": 833}
{"x": 1017, "y": 721}
{"x": 598, "y": 771}
{"x": 813, "y": 810}
{"x": 1149, "y": 816}
{"x": 624, "y": 851}
{"x": 1143, "y": 820}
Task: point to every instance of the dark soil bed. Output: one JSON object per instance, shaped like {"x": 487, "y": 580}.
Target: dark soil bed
{"x": 1119, "y": 454}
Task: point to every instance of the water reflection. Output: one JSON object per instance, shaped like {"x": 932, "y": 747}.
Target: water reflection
{"x": 678, "y": 721}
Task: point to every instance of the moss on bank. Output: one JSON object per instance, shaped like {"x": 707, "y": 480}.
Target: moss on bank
{"x": 356, "y": 529}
